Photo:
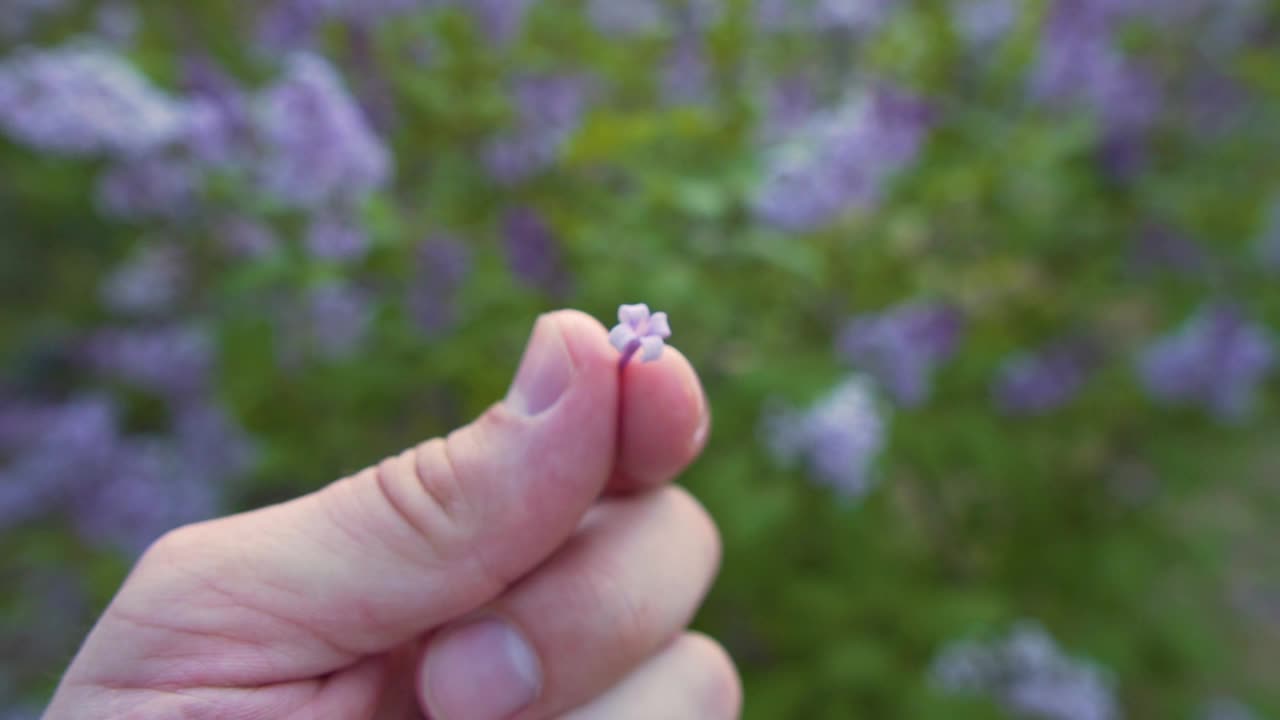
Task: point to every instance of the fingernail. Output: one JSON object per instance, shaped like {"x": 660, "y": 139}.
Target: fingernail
{"x": 481, "y": 671}
{"x": 544, "y": 373}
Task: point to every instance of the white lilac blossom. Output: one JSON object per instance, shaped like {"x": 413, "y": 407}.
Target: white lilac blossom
{"x": 548, "y": 110}
{"x": 842, "y": 159}
{"x": 149, "y": 282}
{"x": 1217, "y": 361}
{"x": 318, "y": 148}
{"x": 839, "y": 438}
{"x": 1028, "y": 675}
{"x": 638, "y": 331}
{"x": 85, "y": 101}
{"x": 1039, "y": 382}
{"x": 902, "y": 346}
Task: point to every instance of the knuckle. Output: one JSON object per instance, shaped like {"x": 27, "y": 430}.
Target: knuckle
{"x": 719, "y": 687}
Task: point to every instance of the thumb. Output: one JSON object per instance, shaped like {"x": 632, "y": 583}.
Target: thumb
{"x": 389, "y": 553}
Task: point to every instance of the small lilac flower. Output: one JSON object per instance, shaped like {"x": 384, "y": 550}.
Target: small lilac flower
{"x": 319, "y": 148}
{"x": 336, "y": 239}
{"x": 839, "y": 439}
{"x": 1217, "y": 360}
{"x": 639, "y": 331}
{"x": 1040, "y": 382}
{"x": 1029, "y": 675}
{"x": 902, "y": 346}
{"x": 84, "y": 101}
{"x": 148, "y": 283}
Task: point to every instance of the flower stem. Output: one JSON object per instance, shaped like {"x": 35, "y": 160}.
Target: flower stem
{"x": 632, "y": 348}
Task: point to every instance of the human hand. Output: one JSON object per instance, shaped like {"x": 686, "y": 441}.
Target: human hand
{"x": 533, "y": 564}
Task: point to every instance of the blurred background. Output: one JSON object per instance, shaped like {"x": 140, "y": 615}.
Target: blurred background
{"x": 983, "y": 294}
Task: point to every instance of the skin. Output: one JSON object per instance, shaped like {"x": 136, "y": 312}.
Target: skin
{"x": 551, "y": 514}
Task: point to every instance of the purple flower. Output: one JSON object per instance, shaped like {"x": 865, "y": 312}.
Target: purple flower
{"x": 1216, "y": 360}
{"x": 841, "y": 160}
{"x": 638, "y": 331}
{"x": 533, "y": 251}
{"x": 983, "y": 23}
{"x": 442, "y": 267}
{"x": 1028, "y": 674}
{"x": 1042, "y": 381}
{"x": 626, "y": 17}
{"x": 319, "y": 149}
{"x": 148, "y": 490}
{"x": 1080, "y": 65}
{"x": 1161, "y": 248}
{"x": 84, "y": 101}
{"x": 174, "y": 361}
{"x": 65, "y": 447}
{"x": 850, "y": 15}
{"x": 501, "y": 20}
{"x": 152, "y": 186}
{"x": 245, "y": 237}
{"x": 839, "y": 438}
{"x": 149, "y": 283}
{"x": 548, "y": 111}
{"x": 334, "y": 320}
{"x": 686, "y": 77}
{"x": 336, "y": 239}
{"x": 20, "y": 16}
{"x": 902, "y": 346}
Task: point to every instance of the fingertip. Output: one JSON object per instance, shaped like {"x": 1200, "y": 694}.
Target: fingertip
{"x": 665, "y": 422}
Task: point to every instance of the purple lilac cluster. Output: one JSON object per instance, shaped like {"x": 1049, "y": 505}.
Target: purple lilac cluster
{"x": 1029, "y": 675}
{"x": 329, "y": 321}
{"x": 842, "y": 159}
{"x": 318, "y": 148}
{"x": 1216, "y": 361}
{"x": 982, "y": 23}
{"x": 1160, "y": 248}
{"x": 441, "y": 268}
{"x": 1080, "y": 64}
{"x": 845, "y": 16}
{"x": 838, "y": 439}
{"x": 148, "y": 283}
{"x": 548, "y": 110}
{"x": 1039, "y": 382}
{"x": 902, "y": 346}
{"x": 20, "y": 16}
{"x": 174, "y": 361}
{"x": 82, "y": 100}
{"x": 289, "y": 25}
{"x": 334, "y": 238}
{"x": 627, "y": 17}
{"x": 534, "y": 251}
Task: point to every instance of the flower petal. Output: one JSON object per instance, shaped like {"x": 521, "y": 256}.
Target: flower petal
{"x": 652, "y": 348}
{"x": 659, "y": 326}
{"x": 633, "y": 315}
{"x": 621, "y": 336}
